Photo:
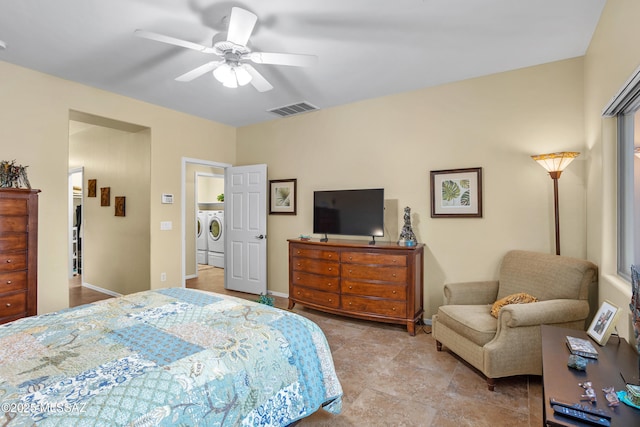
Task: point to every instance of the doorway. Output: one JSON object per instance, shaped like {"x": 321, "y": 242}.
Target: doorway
{"x": 203, "y": 190}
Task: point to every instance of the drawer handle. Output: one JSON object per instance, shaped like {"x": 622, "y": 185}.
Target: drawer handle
{"x": 8, "y": 304}
{"x": 298, "y": 278}
{"x": 9, "y": 261}
{"x": 330, "y": 255}
{"x": 330, "y": 300}
{"x": 298, "y": 252}
{"x": 350, "y": 258}
{"x": 350, "y": 287}
{"x": 298, "y": 264}
{"x": 394, "y": 309}
{"x": 329, "y": 284}
{"x": 394, "y": 292}
{"x": 9, "y": 282}
{"x": 350, "y": 303}
{"x": 330, "y": 268}
{"x": 298, "y": 292}
{"x": 394, "y": 274}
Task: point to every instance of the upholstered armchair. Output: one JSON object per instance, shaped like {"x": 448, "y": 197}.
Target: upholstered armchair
{"x": 510, "y": 344}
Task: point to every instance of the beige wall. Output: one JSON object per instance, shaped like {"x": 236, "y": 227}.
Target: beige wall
{"x": 495, "y": 122}
{"x": 34, "y": 130}
{"x": 115, "y": 250}
{"x": 612, "y": 57}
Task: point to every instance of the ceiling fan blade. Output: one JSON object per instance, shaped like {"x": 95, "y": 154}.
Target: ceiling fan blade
{"x": 200, "y": 71}
{"x": 173, "y": 41}
{"x": 257, "y": 80}
{"x": 291, "y": 59}
{"x": 241, "y": 26}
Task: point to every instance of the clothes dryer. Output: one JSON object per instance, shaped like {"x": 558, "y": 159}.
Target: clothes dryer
{"x": 201, "y": 237}
{"x": 216, "y": 239}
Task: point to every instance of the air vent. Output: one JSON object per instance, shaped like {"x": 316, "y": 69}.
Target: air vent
{"x": 290, "y": 110}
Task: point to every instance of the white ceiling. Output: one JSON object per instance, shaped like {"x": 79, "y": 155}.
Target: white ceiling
{"x": 366, "y": 48}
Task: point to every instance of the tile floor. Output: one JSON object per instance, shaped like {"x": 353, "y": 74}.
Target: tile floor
{"x": 392, "y": 379}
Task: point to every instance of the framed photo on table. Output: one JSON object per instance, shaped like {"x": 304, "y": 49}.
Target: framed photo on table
{"x": 456, "y": 193}
{"x": 282, "y": 196}
{"x": 603, "y": 323}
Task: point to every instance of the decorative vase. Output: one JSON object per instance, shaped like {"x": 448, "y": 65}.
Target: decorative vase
{"x": 407, "y": 237}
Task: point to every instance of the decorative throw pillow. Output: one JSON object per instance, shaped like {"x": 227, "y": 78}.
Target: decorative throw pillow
{"x": 519, "y": 298}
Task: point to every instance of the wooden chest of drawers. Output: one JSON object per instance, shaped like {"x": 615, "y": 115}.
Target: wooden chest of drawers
{"x": 381, "y": 282}
{"x": 18, "y": 253}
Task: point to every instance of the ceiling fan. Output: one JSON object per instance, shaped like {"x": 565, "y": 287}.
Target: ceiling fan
{"x": 233, "y": 70}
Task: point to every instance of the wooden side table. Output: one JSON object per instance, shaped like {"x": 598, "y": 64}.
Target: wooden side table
{"x": 615, "y": 360}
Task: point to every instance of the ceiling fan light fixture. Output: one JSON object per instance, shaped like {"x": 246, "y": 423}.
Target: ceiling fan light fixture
{"x": 232, "y": 76}
{"x": 242, "y": 75}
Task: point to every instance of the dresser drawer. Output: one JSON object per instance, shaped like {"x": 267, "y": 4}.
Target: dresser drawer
{"x": 326, "y": 299}
{"x": 13, "y": 242}
{"x": 10, "y": 282}
{"x": 13, "y": 261}
{"x": 16, "y": 224}
{"x": 17, "y": 206}
{"x": 381, "y": 290}
{"x": 13, "y": 304}
{"x": 373, "y": 258}
{"x": 324, "y": 283}
{"x": 374, "y": 306}
{"x": 327, "y": 268}
{"x": 382, "y": 274}
{"x": 298, "y": 251}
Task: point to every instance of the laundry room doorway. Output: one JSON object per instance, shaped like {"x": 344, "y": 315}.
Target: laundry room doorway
{"x": 204, "y": 220}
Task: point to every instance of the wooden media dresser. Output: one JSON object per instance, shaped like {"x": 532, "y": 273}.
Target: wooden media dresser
{"x": 381, "y": 282}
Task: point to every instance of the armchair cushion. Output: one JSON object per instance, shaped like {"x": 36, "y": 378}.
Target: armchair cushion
{"x": 519, "y": 298}
{"x": 471, "y": 321}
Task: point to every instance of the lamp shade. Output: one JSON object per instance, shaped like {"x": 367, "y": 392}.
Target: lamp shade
{"x": 555, "y": 162}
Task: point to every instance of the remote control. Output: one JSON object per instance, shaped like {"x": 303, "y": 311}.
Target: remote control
{"x": 579, "y": 407}
{"x": 581, "y": 416}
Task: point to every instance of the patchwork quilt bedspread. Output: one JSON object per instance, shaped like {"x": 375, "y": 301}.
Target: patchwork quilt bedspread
{"x": 165, "y": 357}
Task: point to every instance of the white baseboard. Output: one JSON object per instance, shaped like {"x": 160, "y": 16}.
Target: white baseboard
{"x": 278, "y": 294}
{"x": 99, "y": 289}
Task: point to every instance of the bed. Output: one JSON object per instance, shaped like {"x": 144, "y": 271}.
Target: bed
{"x": 165, "y": 357}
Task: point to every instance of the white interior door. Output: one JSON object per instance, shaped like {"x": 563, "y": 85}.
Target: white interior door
{"x": 245, "y": 199}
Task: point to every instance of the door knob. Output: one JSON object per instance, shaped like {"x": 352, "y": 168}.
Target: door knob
{"x": 260, "y": 236}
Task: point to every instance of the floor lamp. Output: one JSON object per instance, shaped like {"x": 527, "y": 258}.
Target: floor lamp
{"x": 555, "y": 163}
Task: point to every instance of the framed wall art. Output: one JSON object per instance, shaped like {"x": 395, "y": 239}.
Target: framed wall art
{"x": 91, "y": 188}
{"x": 120, "y": 206}
{"x": 603, "y": 323}
{"x": 105, "y": 196}
{"x": 282, "y": 196}
{"x": 456, "y": 193}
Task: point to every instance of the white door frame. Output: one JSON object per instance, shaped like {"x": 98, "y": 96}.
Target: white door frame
{"x": 71, "y": 172}
{"x": 183, "y": 190}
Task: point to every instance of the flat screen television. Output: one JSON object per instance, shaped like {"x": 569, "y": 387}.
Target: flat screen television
{"x": 349, "y": 212}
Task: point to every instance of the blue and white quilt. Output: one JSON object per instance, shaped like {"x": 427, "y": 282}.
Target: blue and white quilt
{"x": 164, "y": 358}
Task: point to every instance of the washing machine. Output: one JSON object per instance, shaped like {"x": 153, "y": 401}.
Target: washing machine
{"x": 201, "y": 238}
{"x": 215, "y": 240}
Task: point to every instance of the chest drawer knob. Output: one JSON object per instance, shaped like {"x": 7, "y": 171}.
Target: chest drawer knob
{"x": 298, "y": 292}
{"x": 329, "y": 284}
{"x": 9, "y": 261}
{"x": 394, "y": 274}
{"x": 350, "y": 287}
{"x": 330, "y": 268}
{"x": 298, "y": 252}
{"x": 350, "y": 303}
{"x": 8, "y": 304}
{"x": 330, "y": 300}
{"x": 394, "y": 309}
{"x": 395, "y": 292}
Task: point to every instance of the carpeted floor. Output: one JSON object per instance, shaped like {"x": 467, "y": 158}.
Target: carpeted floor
{"x": 392, "y": 379}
